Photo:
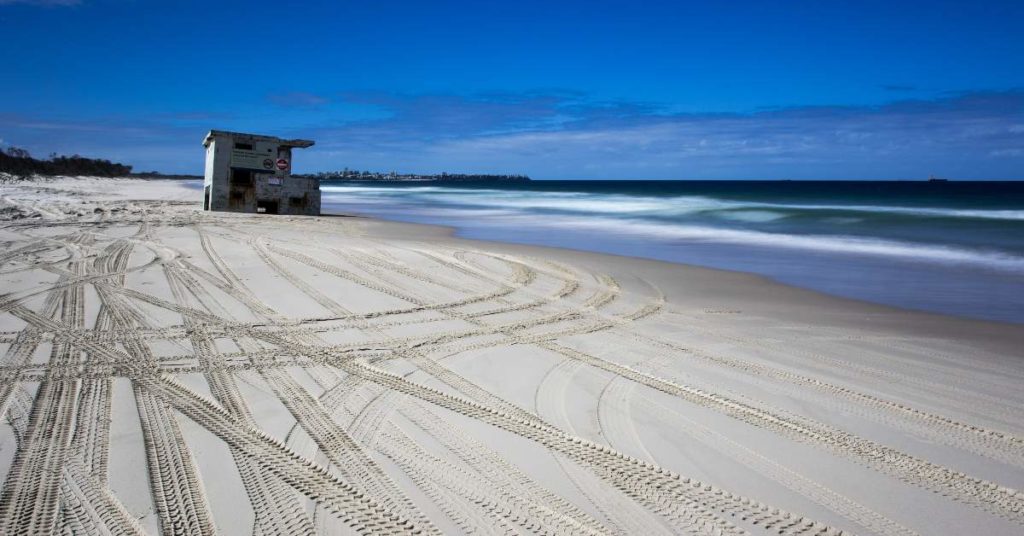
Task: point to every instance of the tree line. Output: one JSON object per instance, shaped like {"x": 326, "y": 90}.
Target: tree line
{"x": 20, "y": 163}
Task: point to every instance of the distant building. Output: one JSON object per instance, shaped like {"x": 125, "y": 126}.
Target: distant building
{"x": 252, "y": 173}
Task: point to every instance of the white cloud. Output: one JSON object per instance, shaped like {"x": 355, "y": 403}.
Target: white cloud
{"x": 967, "y": 136}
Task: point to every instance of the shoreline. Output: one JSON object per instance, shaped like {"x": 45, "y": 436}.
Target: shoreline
{"x": 469, "y": 386}
{"x": 870, "y": 307}
{"x": 889, "y": 252}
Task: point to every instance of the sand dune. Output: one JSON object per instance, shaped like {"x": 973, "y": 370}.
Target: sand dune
{"x": 172, "y": 371}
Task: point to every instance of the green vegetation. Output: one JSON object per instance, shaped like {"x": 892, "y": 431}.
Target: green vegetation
{"x": 20, "y": 163}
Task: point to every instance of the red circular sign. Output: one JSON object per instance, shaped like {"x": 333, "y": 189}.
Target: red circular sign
{"x": 282, "y": 164}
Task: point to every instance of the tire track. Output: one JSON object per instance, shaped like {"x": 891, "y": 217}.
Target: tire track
{"x": 916, "y": 385}
{"x": 276, "y": 507}
{"x": 621, "y": 393}
{"x": 625, "y": 516}
{"x": 808, "y": 488}
{"x": 93, "y": 508}
{"x": 993, "y": 498}
{"x": 177, "y": 489}
{"x": 351, "y": 506}
{"x": 29, "y": 503}
{"x": 689, "y": 505}
{"x": 491, "y": 466}
{"x": 494, "y": 494}
{"x": 993, "y": 444}
{"x": 704, "y": 521}
{"x": 333, "y": 441}
{"x": 474, "y": 486}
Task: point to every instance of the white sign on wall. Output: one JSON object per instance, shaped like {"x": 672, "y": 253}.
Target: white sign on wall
{"x": 246, "y": 159}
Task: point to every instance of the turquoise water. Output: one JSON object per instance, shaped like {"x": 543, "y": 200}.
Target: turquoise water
{"x": 949, "y": 247}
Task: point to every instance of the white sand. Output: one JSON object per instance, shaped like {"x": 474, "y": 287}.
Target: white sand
{"x": 169, "y": 370}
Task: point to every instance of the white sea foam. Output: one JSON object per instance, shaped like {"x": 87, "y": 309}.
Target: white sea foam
{"x": 754, "y": 216}
{"x": 622, "y": 204}
{"x": 652, "y": 218}
{"x": 993, "y": 214}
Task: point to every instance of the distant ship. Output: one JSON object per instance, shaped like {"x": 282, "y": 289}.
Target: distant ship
{"x": 933, "y": 178}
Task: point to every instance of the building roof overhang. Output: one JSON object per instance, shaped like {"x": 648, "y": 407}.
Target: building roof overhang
{"x": 302, "y": 144}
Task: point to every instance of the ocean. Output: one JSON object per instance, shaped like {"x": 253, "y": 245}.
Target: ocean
{"x": 948, "y": 247}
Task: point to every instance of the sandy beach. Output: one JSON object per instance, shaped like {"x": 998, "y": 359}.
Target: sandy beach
{"x": 167, "y": 370}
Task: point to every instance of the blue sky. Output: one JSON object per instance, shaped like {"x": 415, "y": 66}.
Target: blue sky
{"x": 596, "y": 89}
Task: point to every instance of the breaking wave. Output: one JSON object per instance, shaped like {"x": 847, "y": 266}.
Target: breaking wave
{"x": 681, "y": 218}
{"x": 618, "y": 204}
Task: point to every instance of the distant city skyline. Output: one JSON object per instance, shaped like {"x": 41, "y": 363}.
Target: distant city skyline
{"x": 600, "y": 89}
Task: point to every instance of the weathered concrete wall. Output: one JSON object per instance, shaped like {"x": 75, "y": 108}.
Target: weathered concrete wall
{"x": 218, "y": 161}
{"x": 293, "y": 195}
{"x": 271, "y": 189}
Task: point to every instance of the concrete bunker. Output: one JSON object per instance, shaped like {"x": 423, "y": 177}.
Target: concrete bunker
{"x": 252, "y": 173}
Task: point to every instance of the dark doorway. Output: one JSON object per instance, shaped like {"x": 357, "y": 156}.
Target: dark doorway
{"x": 266, "y": 207}
{"x": 206, "y": 198}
